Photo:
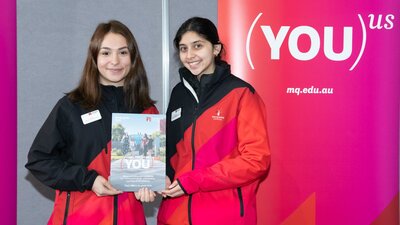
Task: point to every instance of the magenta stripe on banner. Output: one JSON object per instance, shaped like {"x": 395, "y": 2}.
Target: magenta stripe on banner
{"x": 8, "y": 93}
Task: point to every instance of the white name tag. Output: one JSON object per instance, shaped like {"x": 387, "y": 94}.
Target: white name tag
{"x": 91, "y": 117}
{"x": 176, "y": 114}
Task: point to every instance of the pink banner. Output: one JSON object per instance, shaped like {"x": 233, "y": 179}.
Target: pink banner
{"x": 328, "y": 72}
{"x": 8, "y": 130}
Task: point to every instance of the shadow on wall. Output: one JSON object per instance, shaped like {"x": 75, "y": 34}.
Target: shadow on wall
{"x": 41, "y": 188}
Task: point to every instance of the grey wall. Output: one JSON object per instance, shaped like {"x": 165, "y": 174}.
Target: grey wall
{"x": 52, "y": 40}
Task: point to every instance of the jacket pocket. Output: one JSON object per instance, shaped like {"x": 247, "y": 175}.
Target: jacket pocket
{"x": 240, "y": 196}
{"x": 66, "y": 208}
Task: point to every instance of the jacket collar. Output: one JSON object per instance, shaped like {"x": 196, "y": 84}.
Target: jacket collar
{"x": 113, "y": 98}
{"x": 208, "y": 82}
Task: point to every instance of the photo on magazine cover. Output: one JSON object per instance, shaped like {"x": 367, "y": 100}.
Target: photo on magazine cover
{"x": 138, "y": 151}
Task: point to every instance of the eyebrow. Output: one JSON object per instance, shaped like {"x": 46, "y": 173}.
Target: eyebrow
{"x": 107, "y": 48}
{"x": 194, "y": 42}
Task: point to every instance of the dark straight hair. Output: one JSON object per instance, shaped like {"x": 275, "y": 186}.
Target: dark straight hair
{"x": 206, "y": 29}
{"x": 136, "y": 87}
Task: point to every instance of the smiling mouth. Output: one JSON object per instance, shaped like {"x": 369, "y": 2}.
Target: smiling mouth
{"x": 114, "y": 70}
{"x": 194, "y": 63}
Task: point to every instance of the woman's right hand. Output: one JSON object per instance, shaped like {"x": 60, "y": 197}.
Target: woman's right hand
{"x": 101, "y": 187}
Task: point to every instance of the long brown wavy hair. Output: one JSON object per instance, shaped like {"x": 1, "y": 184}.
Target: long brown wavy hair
{"x": 136, "y": 86}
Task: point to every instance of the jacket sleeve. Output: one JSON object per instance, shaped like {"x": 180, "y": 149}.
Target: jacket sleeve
{"x": 48, "y": 158}
{"x": 252, "y": 161}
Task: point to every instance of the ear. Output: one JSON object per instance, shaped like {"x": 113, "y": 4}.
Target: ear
{"x": 217, "y": 49}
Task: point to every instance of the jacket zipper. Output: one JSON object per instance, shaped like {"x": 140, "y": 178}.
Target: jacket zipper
{"x": 193, "y": 149}
{"x": 189, "y": 209}
{"x": 239, "y": 190}
{"x": 115, "y": 216}
{"x": 66, "y": 208}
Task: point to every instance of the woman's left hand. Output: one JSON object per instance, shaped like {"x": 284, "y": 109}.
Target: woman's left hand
{"x": 145, "y": 195}
{"x": 174, "y": 190}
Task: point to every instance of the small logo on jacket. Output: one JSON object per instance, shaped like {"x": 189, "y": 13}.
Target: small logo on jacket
{"x": 217, "y": 115}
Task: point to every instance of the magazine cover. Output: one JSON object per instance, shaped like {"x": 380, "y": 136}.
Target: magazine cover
{"x": 138, "y": 151}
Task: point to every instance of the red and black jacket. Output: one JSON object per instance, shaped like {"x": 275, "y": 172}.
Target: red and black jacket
{"x": 217, "y": 149}
{"x": 68, "y": 155}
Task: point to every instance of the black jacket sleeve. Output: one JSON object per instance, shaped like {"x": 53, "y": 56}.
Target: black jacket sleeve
{"x": 49, "y": 159}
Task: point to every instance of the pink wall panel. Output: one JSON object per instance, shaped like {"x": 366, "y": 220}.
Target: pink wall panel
{"x": 328, "y": 72}
{"x": 8, "y": 118}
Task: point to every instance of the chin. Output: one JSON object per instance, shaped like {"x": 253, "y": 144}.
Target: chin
{"x": 196, "y": 73}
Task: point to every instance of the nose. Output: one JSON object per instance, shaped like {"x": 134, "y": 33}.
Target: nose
{"x": 189, "y": 53}
{"x": 115, "y": 58}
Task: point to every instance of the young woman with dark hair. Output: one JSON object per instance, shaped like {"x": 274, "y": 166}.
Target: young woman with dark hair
{"x": 217, "y": 142}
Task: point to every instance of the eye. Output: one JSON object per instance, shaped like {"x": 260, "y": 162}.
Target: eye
{"x": 182, "y": 48}
{"x": 105, "y": 53}
{"x": 124, "y": 52}
{"x": 198, "y": 46}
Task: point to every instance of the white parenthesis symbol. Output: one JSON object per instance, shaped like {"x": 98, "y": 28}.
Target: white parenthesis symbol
{"x": 364, "y": 41}
{"x": 248, "y": 40}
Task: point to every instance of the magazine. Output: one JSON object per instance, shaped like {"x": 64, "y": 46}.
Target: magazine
{"x": 138, "y": 151}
